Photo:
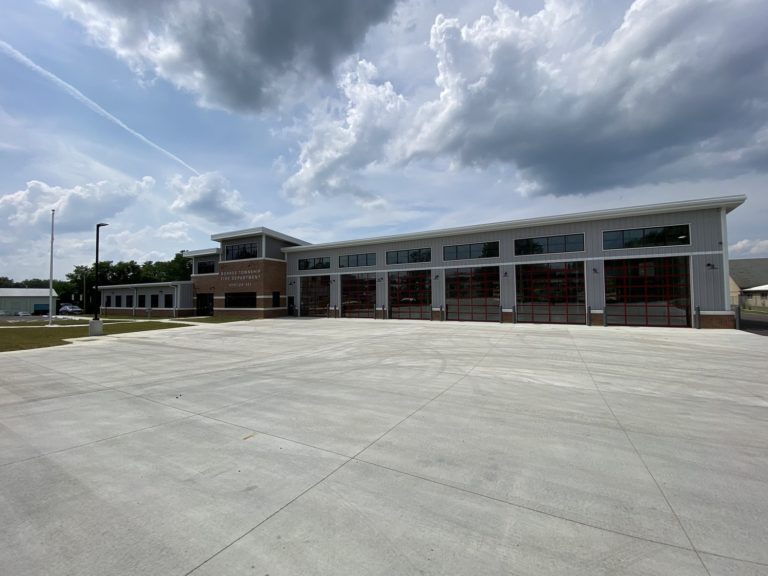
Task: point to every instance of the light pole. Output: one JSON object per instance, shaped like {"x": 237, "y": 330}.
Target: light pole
{"x": 50, "y": 277}
{"x": 98, "y": 292}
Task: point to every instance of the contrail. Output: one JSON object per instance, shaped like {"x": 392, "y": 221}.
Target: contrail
{"x": 75, "y": 93}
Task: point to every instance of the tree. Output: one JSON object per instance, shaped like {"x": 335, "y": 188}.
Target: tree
{"x": 80, "y": 284}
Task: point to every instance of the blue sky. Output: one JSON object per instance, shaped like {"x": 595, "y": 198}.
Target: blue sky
{"x": 172, "y": 120}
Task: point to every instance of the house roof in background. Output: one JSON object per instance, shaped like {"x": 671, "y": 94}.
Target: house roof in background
{"x": 749, "y": 272}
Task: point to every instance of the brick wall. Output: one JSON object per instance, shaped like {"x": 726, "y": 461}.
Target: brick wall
{"x": 718, "y": 321}
{"x": 261, "y": 276}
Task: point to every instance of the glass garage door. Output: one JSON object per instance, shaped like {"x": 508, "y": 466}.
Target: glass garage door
{"x": 358, "y": 295}
{"x": 315, "y": 295}
{"x": 473, "y": 294}
{"x": 551, "y": 293}
{"x": 648, "y": 292}
{"x": 410, "y": 294}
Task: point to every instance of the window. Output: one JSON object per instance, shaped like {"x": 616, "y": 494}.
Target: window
{"x": 153, "y": 301}
{"x": 168, "y": 301}
{"x": 118, "y": 301}
{"x": 142, "y": 301}
{"x": 357, "y": 260}
{"x": 240, "y": 300}
{"x": 409, "y": 256}
{"x": 240, "y": 251}
{"x": 550, "y": 244}
{"x": 206, "y": 267}
{"x": 464, "y": 251}
{"x": 108, "y": 301}
{"x": 314, "y": 263}
{"x": 129, "y": 301}
{"x": 644, "y": 237}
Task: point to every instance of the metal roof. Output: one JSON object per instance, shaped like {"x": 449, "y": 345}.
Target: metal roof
{"x": 202, "y": 252}
{"x": 26, "y": 292}
{"x": 146, "y": 285}
{"x": 727, "y": 202}
{"x": 256, "y": 232}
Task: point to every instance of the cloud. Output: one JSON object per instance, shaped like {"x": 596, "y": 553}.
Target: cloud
{"x": 675, "y": 90}
{"x": 174, "y": 231}
{"x": 209, "y": 196}
{"x": 749, "y": 248}
{"x": 240, "y": 55}
{"x": 77, "y": 208}
{"x": 336, "y": 149}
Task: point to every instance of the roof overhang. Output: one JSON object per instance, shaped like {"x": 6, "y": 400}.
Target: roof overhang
{"x": 146, "y": 285}
{"x": 256, "y": 232}
{"x": 203, "y": 252}
{"x": 728, "y": 203}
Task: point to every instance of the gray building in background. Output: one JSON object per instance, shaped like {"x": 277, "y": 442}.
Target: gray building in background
{"x": 32, "y": 300}
{"x": 656, "y": 265}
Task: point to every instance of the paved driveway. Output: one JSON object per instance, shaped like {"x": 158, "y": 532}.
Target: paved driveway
{"x": 362, "y": 447}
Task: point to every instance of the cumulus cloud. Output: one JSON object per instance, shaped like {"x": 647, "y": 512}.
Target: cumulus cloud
{"x": 749, "y": 248}
{"x": 675, "y": 90}
{"x": 77, "y": 208}
{"x": 336, "y": 149}
{"x": 209, "y": 196}
{"x": 174, "y": 231}
{"x": 240, "y": 55}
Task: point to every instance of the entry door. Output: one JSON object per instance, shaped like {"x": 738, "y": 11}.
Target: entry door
{"x": 204, "y": 304}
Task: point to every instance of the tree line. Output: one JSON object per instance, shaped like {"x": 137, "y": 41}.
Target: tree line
{"x": 79, "y": 286}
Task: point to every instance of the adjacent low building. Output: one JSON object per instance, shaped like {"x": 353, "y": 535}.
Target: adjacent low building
{"x": 149, "y": 300}
{"x": 656, "y": 265}
{"x": 31, "y": 300}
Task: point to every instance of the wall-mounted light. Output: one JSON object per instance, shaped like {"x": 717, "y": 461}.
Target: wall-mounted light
{"x": 292, "y": 282}
{"x": 506, "y": 274}
{"x": 380, "y": 279}
{"x": 437, "y": 276}
{"x": 594, "y": 270}
{"x": 711, "y": 266}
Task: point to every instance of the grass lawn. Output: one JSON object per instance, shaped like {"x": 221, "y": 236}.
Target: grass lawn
{"x": 43, "y": 336}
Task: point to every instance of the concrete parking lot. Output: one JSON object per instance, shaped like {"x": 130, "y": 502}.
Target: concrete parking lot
{"x": 362, "y": 447}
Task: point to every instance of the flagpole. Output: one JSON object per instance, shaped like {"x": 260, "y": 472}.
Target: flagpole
{"x": 50, "y": 277}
